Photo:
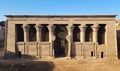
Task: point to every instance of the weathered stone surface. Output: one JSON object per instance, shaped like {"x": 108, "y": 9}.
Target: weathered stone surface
{"x": 84, "y": 48}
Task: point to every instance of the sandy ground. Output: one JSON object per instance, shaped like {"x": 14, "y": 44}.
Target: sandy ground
{"x": 59, "y": 65}
{"x": 88, "y": 65}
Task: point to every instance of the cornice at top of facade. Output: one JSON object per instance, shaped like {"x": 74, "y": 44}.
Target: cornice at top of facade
{"x": 102, "y": 15}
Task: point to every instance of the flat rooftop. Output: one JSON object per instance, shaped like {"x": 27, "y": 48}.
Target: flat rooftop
{"x": 111, "y": 15}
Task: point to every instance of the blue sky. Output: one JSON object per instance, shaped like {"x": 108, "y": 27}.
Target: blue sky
{"x": 59, "y": 7}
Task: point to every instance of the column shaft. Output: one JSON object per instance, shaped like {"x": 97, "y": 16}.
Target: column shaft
{"x": 26, "y": 32}
{"x": 82, "y": 32}
{"x": 69, "y": 39}
{"x": 95, "y": 32}
{"x": 38, "y": 34}
{"x": 51, "y": 38}
{"x": 51, "y": 33}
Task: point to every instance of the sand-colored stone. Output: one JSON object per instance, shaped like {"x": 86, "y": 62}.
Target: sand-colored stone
{"x": 82, "y": 49}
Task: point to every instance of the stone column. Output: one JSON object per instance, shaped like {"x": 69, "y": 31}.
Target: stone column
{"x": 69, "y": 38}
{"x": 51, "y": 38}
{"x": 38, "y": 39}
{"x": 95, "y": 28}
{"x": 26, "y": 32}
{"x": 51, "y": 32}
{"x": 82, "y": 32}
{"x": 38, "y": 32}
{"x": 26, "y": 37}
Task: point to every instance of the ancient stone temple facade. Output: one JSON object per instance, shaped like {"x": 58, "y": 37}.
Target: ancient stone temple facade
{"x": 69, "y": 36}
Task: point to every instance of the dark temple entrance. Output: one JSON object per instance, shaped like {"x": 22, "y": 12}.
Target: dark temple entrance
{"x": 60, "y": 43}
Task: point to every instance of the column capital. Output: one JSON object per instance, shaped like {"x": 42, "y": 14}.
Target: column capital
{"x": 38, "y": 25}
{"x": 51, "y": 27}
{"x": 82, "y": 27}
{"x": 70, "y": 27}
{"x": 95, "y": 27}
{"x": 25, "y": 27}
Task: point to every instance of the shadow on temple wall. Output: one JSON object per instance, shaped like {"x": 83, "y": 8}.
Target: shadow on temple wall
{"x": 12, "y": 62}
{"x": 35, "y": 66}
{"x": 18, "y": 62}
{"x": 73, "y": 50}
{"x": 118, "y": 43}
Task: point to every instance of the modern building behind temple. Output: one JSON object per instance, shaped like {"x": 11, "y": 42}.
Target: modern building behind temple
{"x": 2, "y": 33}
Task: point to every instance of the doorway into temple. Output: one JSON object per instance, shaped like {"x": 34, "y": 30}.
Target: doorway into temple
{"x": 60, "y": 43}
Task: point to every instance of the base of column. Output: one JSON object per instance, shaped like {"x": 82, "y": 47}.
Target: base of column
{"x": 79, "y": 57}
{"x": 68, "y": 57}
{"x": 46, "y": 58}
{"x": 94, "y": 57}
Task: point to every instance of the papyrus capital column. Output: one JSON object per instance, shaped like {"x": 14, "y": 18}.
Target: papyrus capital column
{"x": 69, "y": 38}
{"x": 51, "y": 28}
{"x": 70, "y": 29}
{"x": 26, "y": 32}
{"x": 38, "y": 30}
{"x": 95, "y": 28}
{"x": 82, "y": 32}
